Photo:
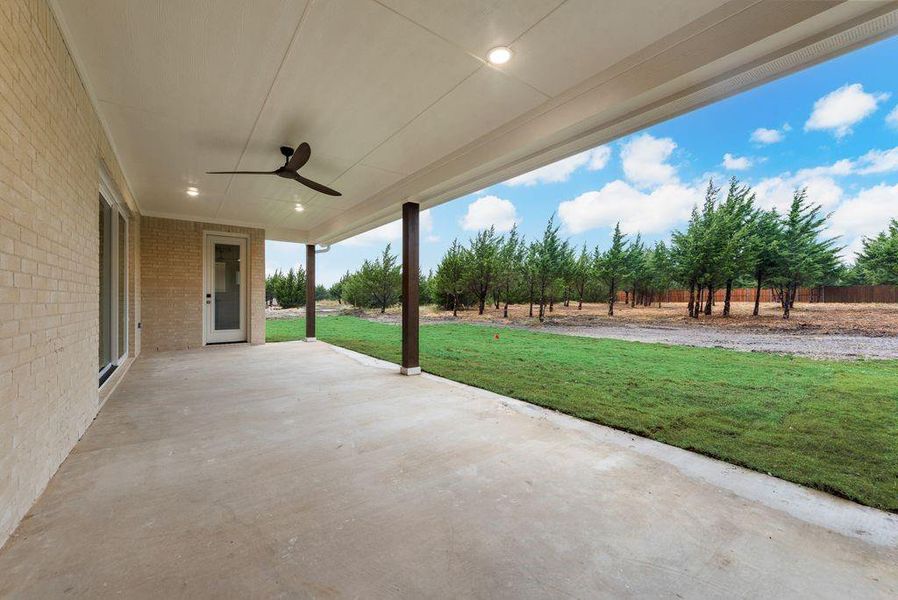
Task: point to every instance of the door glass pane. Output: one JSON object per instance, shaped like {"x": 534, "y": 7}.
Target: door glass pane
{"x": 227, "y": 286}
{"x": 105, "y": 262}
{"x": 122, "y": 285}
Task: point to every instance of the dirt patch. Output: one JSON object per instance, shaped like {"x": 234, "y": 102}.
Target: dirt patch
{"x": 840, "y": 331}
{"x": 326, "y": 307}
{"x": 817, "y": 319}
{"x": 831, "y": 345}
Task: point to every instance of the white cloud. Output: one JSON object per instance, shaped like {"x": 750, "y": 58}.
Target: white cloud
{"x": 426, "y": 221}
{"x": 762, "y": 135}
{"x": 598, "y": 157}
{"x": 823, "y": 191}
{"x": 736, "y": 163}
{"x": 840, "y": 109}
{"x": 878, "y": 161}
{"x": 490, "y": 210}
{"x": 652, "y": 201}
{"x": 874, "y": 161}
{"x": 892, "y": 118}
{"x": 560, "y": 171}
{"x": 840, "y": 167}
{"x": 776, "y": 192}
{"x": 653, "y": 212}
{"x": 391, "y": 232}
{"x": 866, "y": 214}
{"x": 645, "y": 158}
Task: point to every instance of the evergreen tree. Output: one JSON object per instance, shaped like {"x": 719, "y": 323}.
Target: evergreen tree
{"x": 568, "y": 273}
{"x": 377, "y": 284}
{"x": 269, "y": 287}
{"x": 290, "y": 290}
{"x": 529, "y": 272}
{"x": 336, "y": 291}
{"x": 581, "y": 273}
{"x": 482, "y": 263}
{"x": 635, "y": 272}
{"x": 425, "y": 288}
{"x": 547, "y": 261}
{"x": 661, "y": 270}
{"x": 450, "y": 280}
{"x": 877, "y": 262}
{"x": 735, "y": 217}
{"x": 806, "y": 259}
{"x": 764, "y": 251}
{"x": 686, "y": 257}
{"x": 611, "y": 266}
{"x": 510, "y": 268}
{"x": 712, "y": 244}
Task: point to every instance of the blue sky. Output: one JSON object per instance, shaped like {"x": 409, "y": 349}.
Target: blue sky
{"x": 832, "y": 128}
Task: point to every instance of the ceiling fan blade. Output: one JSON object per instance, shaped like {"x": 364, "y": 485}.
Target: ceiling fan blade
{"x": 300, "y": 157}
{"x": 240, "y": 172}
{"x": 315, "y": 185}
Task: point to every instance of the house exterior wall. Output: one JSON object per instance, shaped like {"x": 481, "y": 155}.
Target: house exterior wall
{"x": 172, "y": 282}
{"x": 51, "y": 147}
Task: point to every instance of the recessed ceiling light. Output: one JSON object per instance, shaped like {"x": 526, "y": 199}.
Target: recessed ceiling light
{"x": 499, "y": 56}
{"x": 193, "y": 192}
{"x": 299, "y": 207}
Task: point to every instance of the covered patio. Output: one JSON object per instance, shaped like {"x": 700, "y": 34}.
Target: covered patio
{"x": 304, "y": 470}
{"x": 139, "y": 458}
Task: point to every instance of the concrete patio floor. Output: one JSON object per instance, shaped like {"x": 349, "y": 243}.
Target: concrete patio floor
{"x": 300, "y": 470}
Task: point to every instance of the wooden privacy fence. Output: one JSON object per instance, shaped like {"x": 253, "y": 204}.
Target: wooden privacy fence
{"x": 827, "y": 293}
{"x": 859, "y": 293}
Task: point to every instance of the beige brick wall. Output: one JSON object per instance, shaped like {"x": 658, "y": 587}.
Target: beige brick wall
{"x": 51, "y": 144}
{"x": 172, "y": 282}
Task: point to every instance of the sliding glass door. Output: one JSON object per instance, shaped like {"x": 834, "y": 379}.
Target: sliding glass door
{"x": 112, "y": 348}
{"x": 105, "y": 349}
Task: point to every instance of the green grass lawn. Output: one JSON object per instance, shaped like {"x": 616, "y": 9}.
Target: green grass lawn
{"x": 825, "y": 424}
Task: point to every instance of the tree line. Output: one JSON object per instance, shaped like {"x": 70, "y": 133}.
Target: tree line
{"x": 377, "y": 284}
{"x": 728, "y": 242}
{"x": 289, "y": 289}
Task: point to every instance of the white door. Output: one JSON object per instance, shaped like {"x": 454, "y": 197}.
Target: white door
{"x": 225, "y": 294}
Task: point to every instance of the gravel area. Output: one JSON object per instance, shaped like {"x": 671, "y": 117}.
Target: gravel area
{"x": 836, "y": 346}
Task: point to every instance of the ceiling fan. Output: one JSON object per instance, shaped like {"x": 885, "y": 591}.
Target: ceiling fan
{"x": 293, "y": 162}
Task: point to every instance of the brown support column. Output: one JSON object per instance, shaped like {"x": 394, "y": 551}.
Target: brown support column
{"x": 410, "y": 247}
{"x": 310, "y": 292}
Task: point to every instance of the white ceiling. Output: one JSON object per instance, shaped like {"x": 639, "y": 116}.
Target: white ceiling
{"x": 395, "y": 96}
